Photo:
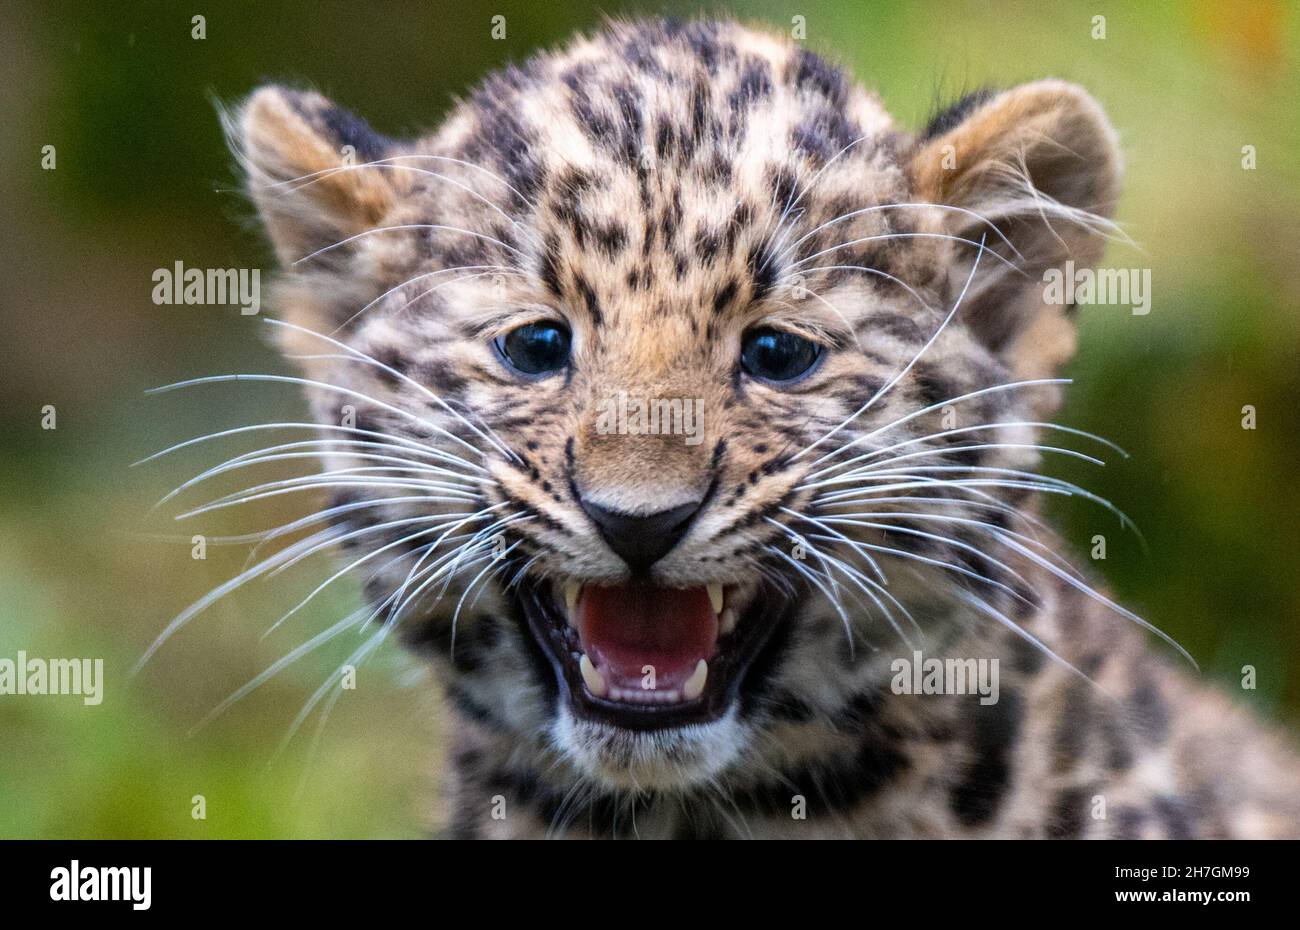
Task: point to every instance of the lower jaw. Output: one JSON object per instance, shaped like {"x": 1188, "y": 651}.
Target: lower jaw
{"x": 728, "y": 669}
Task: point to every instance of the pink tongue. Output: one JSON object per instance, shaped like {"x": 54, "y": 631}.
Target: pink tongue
{"x": 627, "y": 627}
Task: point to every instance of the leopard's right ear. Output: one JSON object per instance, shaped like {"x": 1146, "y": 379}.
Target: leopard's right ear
{"x": 304, "y": 159}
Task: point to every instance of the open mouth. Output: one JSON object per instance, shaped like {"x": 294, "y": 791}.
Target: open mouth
{"x": 640, "y": 656}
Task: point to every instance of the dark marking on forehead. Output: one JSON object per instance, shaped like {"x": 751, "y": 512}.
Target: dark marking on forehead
{"x": 755, "y": 85}
{"x": 629, "y": 106}
{"x": 810, "y": 72}
{"x": 549, "y": 271}
{"x": 702, "y": 39}
{"x": 706, "y": 245}
{"x": 762, "y": 269}
{"x": 502, "y": 140}
{"x": 695, "y": 132}
{"x": 724, "y": 297}
{"x": 825, "y": 134}
{"x": 590, "y": 300}
{"x": 610, "y": 239}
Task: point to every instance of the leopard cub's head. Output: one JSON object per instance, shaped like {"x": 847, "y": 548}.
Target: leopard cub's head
{"x": 669, "y": 384}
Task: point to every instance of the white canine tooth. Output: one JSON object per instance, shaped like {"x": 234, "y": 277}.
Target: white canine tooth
{"x": 571, "y": 591}
{"x": 726, "y": 621}
{"x": 715, "y": 597}
{"x": 594, "y": 680}
{"x": 694, "y": 686}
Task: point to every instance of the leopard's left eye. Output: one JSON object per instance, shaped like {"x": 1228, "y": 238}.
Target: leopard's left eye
{"x": 535, "y": 348}
{"x": 777, "y": 356}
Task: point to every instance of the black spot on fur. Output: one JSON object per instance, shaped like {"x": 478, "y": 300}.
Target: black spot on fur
{"x": 589, "y": 298}
{"x": 995, "y": 728}
{"x": 755, "y": 84}
{"x": 761, "y": 270}
{"x": 1068, "y": 813}
{"x": 1070, "y": 736}
{"x": 814, "y": 74}
{"x": 724, "y": 297}
{"x": 550, "y": 270}
{"x": 951, "y": 116}
{"x": 1150, "y": 713}
{"x": 830, "y": 787}
{"x": 1176, "y": 816}
{"x": 1128, "y": 823}
{"x": 610, "y": 239}
{"x": 346, "y": 128}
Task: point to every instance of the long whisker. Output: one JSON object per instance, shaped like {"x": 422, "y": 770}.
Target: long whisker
{"x": 325, "y": 386}
{"x": 812, "y": 577}
{"x": 1012, "y": 424}
{"x": 1031, "y": 480}
{"x": 1100, "y": 598}
{"x": 382, "y": 165}
{"x": 407, "y": 226}
{"x": 795, "y": 266}
{"x": 897, "y": 206}
{"x": 398, "y": 158}
{"x": 863, "y": 268}
{"x": 906, "y": 368}
{"x": 990, "y": 611}
{"x": 328, "y": 479}
{"x": 416, "y": 574}
{"x": 311, "y": 645}
{"x": 437, "y": 520}
{"x": 971, "y": 395}
{"x": 254, "y": 427}
{"x": 883, "y": 466}
{"x": 366, "y": 359}
{"x": 860, "y": 579}
{"x": 410, "y": 466}
{"x": 934, "y": 537}
{"x": 502, "y": 269}
{"x": 327, "y": 535}
{"x": 961, "y": 521}
{"x": 791, "y": 204}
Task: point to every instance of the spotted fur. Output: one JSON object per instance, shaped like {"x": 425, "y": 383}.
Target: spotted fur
{"x": 661, "y": 188}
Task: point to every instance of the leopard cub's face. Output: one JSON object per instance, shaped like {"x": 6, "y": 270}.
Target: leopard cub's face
{"x": 655, "y": 446}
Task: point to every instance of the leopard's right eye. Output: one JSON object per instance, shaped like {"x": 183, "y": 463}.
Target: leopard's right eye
{"x": 535, "y": 348}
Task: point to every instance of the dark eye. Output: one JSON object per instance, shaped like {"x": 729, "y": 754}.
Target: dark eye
{"x": 536, "y": 348}
{"x": 774, "y": 355}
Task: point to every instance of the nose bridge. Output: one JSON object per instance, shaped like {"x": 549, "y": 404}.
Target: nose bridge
{"x": 643, "y": 440}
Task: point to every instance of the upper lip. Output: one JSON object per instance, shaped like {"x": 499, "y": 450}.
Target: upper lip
{"x": 544, "y": 610}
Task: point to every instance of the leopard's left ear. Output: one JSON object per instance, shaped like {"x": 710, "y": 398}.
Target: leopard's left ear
{"x": 1041, "y": 164}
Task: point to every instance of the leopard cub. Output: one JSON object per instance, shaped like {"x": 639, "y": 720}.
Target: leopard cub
{"x": 698, "y": 411}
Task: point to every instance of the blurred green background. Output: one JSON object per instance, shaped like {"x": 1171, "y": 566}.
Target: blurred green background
{"x": 124, "y": 94}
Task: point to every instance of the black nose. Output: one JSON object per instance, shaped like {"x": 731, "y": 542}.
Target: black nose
{"x": 642, "y": 541}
